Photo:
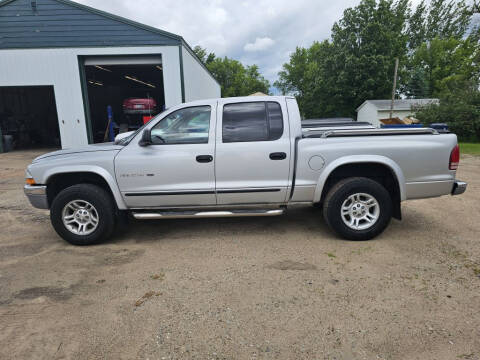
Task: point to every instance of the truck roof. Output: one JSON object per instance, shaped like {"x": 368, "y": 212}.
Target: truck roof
{"x": 256, "y": 98}
{"x": 239, "y": 99}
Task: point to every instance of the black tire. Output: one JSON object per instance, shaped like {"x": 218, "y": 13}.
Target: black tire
{"x": 340, "y": 193}
{"x": 318, "y": 205}
{"x": 122, "y": 222}
{"x": 96, "y": 196}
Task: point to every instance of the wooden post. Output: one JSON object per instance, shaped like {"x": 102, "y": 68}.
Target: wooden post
{"x": 394, "y": 87}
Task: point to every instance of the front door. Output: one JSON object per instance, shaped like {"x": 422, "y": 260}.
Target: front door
{"x": 252, "y": 159}
{"x": 177, "y": 169}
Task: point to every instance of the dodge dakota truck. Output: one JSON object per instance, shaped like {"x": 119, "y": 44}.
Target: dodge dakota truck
{"x": 243, "y": 157}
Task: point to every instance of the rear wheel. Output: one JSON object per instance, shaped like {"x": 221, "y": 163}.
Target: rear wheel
{"x": 83, "y": 214}
{"x": 357, "y": 208}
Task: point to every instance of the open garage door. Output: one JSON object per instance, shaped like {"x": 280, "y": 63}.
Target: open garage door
{"x": 28, "y": 117}
{"x": 132, "y": 86}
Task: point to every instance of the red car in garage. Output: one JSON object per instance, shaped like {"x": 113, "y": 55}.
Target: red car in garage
{"x": 139, "y": 106}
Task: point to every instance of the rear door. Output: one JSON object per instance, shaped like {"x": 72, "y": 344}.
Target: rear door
{"x": 252, "y": 156}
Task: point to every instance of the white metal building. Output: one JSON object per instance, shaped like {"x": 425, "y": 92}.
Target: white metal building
{"x": 62, "y": 64}
{"x": 373, "y": 110}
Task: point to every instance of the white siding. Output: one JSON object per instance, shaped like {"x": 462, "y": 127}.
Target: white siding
{"x": 198, "y": 82}
{"x": 368, "y": 113}
{"x": 59, "y": 67}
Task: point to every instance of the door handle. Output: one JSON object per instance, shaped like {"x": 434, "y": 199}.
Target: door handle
{"x": 278, "y": 156}
{"x": 204, "y": 158}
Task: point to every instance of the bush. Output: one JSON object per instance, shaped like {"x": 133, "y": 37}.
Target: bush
{"x": 460, "y": 110}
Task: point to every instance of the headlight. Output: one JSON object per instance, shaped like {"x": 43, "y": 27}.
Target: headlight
{"x": 29, "y": 178}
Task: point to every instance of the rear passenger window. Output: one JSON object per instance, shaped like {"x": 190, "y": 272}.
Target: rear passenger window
{"x": 253, "y": 121}
{"x": 276, "y": 120}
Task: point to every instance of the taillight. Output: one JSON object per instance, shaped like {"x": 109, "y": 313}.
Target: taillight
{"x": 454, "y": 158}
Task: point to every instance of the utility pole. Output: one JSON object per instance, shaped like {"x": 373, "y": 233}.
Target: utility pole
{"x": 394, "y": 87}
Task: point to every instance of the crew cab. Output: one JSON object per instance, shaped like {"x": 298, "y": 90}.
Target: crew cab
{"x": 243, "y": 157}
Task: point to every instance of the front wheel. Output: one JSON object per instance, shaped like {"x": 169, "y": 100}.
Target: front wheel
{"x": 357, "y": 208}
{"x": 83, "y": 214}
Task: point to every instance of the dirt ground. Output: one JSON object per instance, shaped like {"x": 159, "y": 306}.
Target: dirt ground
{"x": 242, "y": 288}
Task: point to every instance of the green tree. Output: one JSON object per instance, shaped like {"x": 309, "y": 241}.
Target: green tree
{"x": 444, "y": 65}
{"x": 459, "y": 109}
{"x": 366, "y": 41}
{"x": 417, "y": 85}
{"x": 202, "y": 54}
{"x": 436, "y": 44}
{"x": 451, "y": 69}
{"x": 305, "y": 77}
{"x": 441, "y": 19}
{"x": 443, "y": 42}
{"x": 235, "y": 79}
{"x": 333, "y": 78}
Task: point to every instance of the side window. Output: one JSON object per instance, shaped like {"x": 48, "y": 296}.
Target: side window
{"x": 275, "y": 119}
{"x": 244, "y": 122}
{"x": 184, "y": 126}
{"x": 254, "y": 121}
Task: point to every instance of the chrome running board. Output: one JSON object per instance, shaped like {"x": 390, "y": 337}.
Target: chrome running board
{"x": 203, "y": 214}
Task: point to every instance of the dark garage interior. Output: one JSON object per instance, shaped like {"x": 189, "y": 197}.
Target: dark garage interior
{"x": 28, "y": 117}
{"x": 134, "y": 92}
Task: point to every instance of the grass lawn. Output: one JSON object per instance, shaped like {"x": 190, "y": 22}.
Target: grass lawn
{"x": 470, "y": 148}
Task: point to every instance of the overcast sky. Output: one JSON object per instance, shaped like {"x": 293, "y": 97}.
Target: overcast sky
{"x": 262, "y": 32}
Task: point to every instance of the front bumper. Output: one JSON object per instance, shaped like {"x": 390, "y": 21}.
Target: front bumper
{"x": 37, "y": 195}
{"x": 459, "y": 187}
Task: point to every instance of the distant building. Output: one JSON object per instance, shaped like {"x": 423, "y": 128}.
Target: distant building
{"x": 64, "y": 66}
{"x": 374, "y": 110}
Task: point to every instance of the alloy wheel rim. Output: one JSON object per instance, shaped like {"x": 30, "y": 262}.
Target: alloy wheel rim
{"x": 360, "y": 211}
{"x": 80, "y": 217}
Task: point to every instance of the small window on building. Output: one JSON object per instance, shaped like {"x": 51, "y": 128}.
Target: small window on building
{"x": 253, "y": 121}
{"x": 185, "y": 126}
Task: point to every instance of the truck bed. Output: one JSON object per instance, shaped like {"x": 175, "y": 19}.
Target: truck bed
{"x": 317, "y": 122}
{"x": 364, "y": 131}
{"x": 316, "y": 127}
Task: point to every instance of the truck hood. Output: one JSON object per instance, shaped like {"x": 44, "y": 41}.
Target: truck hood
{"x": 89, "y": 148}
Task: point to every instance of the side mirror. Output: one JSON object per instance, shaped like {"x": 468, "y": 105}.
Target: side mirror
{"x": 122, "y": 136}
{"x": 146, "y": 138}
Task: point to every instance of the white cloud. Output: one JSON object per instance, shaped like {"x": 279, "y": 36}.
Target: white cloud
{"x": 238, "y": 29}
{"x": 260, "y": 44}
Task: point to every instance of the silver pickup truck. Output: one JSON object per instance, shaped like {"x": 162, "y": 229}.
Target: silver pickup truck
{"x": 243, "y": 157}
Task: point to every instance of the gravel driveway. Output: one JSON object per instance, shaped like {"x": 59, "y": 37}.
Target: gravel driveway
{"x": 242, "y": 288}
